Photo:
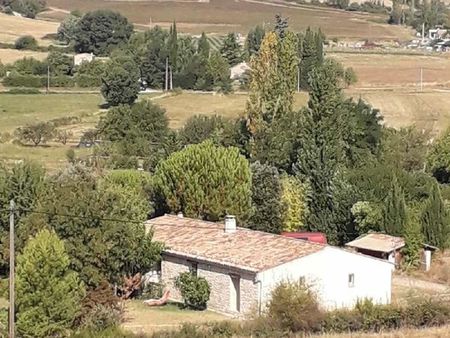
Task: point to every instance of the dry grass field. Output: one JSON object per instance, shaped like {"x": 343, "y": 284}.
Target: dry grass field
{"x": 11, "y": 55}
{"x": 221, "y": 16}
{"x": 379, "y": 70}
{"x": 11, "y": 27}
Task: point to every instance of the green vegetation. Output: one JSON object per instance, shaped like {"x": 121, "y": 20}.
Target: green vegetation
{"x": 194, "y": 290}
{"x": 26, "y": 42}
{"x": 48, "y": 292}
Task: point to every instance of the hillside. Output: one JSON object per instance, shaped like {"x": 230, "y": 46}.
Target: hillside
{"x": 221, "y": 16}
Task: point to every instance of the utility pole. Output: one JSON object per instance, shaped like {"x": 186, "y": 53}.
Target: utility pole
{"x": 12, "y": 310}
{"x": 423, "y": 33}
{"x": 171, "y": 79}
{"x": 167, "y": 75}
{"x": 298, "y": 79}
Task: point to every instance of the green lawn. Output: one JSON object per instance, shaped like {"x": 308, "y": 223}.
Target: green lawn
{"x": 19, "y": 110}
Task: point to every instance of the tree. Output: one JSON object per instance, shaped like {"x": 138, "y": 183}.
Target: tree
{"x": 294, "y": 197}
{"x": 59, "y": 63}
{"x": 231, "y": 50}
{"x": 368, "y": 216}
{"x": 273, "y": 73}
{"x": 28, "y": 8}
{"x": 48, "y": 293}
{"x": 101, "y": 31}
{"x": 438, "y": 159}
{"x": 99, "y": 248}
{"x": 120, "y": 82}
{"x": 199, "y": 128}
{"x": 414, "y": 240}
{"x": 395, "y": 213}
{"x": 137, "y": 130}
{"x": 194, "y": 290}
{"x": 153, "y": 60}
{"x": 310, "y": 49}
{"x": 254, "y": 39}
{"x": 205, "y": 181}
{"x": 2, "y": 70}
{"x": 281, "y": 25}
{"x": 320, "y": 149}
{"x": 63, "y": 136}
{"x": 219, "y": 72}
{"x": 25, "y": 184}
{"x": 203, "y": 46}
{"x": 435, "y": 219}
{"x": 36, "y": 133}
{"x": 67, "y": 30}
{"x": 26, "y": 42}
{"x": 173, "y": 46}
{"x": 266, "y": 199}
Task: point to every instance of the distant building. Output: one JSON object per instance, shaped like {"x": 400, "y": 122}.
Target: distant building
{"x": 238, "y": 71}
{"x": 437, "y": 33}
{"x": 243, "y": 266}
{"x": 78, "y": 59}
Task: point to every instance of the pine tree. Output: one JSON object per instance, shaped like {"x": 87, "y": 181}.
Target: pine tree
{"x": 48, "y": 293}
{"x": 435, "y": 219}
{"x": 254, "y": 39}
{"x": 231, "y": 50}
{"x": 395, "y": 214}
{"x": 266, "y": 199}
{"x": 203, "y": 47}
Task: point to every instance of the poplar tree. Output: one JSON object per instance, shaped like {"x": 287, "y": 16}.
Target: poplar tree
{"x": 48, "y": 293}
{"x": 435, "y": 219}
{"x": 395, "y": 214}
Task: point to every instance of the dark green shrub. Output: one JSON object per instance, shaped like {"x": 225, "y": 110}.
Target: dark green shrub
{"x": 27, "y": 81}
{"x": 87, "y": 81}
{"x": 194, "y": 290}
{"x": 26, "y": 42}
{"x": 62, "y": 81}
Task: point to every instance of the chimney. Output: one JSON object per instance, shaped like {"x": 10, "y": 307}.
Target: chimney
{"x": 180, "y": 215}
{"x": 230, "y": 224}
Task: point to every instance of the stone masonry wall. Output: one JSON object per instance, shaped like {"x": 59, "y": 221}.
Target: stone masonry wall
{"x": 219, "y": 279}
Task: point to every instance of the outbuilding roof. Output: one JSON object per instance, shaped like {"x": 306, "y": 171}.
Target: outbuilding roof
{"x": 244, "y": 249}
{"x": 377, "y": 242}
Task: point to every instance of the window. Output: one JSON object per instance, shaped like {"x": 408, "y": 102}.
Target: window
{"x": 193, "y": 267}
{"x": 351, "y": 280}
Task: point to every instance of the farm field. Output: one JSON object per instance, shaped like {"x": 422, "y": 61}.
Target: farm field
{"x": 11, "y": 55}
{"x": 390, "y": 70}
{"x": 11, "y": 27}
{"x": 222, "y": 16}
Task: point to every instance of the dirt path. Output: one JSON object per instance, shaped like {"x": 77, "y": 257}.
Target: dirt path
{"x": 414, "y": 283}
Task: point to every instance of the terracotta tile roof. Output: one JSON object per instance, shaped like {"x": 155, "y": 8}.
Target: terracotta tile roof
{"x": 377, "y": 242}
{"x": 245, "y": 249}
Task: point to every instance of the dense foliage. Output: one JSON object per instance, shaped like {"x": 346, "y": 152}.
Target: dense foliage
{"x": 194, "y": 290}
{"x": 48, "y": 292}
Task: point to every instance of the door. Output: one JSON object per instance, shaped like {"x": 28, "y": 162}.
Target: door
{"x": 235, "y": 293}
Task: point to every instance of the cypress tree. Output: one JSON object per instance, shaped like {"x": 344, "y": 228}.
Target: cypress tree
{"x": 48, "y": 293}
{"x": 320, "y": 149}
{"x": 173, "y": 46}
{"x": 281, "y": 26}
{"x": 310, "y": 49}
{"x": 232, "y": 50}
{"x": 266, "y": 199}
{"x": 254, "y": 39}
{"x": 435, "y": 219}
{"x": 395, "y": 215}
{"x": 203, "y": 47}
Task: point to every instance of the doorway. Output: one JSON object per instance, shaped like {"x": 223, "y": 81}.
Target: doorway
{"x": 235, "y": 293}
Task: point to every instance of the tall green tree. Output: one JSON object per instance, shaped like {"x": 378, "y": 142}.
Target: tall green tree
{"x": 295, "y": 198}
{"x": 435, "y": 219}
{"x": 173, "y": 46}
{"x": 310, "y": 50}
{"x": 281, "y": 26}
{"x": 101, "y": 31}
{"x": 266, "y": 199}
{"x": 206, "y": 181}
{"x": 254, "y": 40}
{"x": 67, "y": 30}
{"x": 203, "y": 46}
{"x": 120, "y": 82}
{"x": 49, "y": 294}
{"x": 320, "y": 152}
{"x": 231, "y": 50}
{"x": 153, "y": 60}
{"x": 219, "y": 72}
{"x": 438, "y": 159}
{"x": 395, "y": 212}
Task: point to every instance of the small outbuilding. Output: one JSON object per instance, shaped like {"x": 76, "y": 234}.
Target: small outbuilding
{"x": 380, "y": 246}
{"x": 243, "y": 266}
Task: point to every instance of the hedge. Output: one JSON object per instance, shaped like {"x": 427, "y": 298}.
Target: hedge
{"x": 36, "y": 81}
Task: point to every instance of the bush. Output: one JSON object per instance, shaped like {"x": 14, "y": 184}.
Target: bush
{"x": 194, "y": 290}
{"x": 35, "y": 133}
{"x": 65, "y": 121}
{"x": 24, "y": 91}
{"x": 294, "y": 306}
{"x": 26, "y": 42}
{"x": 112, "y": 332}
{"x": 87, "y": 81}
{"x": 19, "y": 80}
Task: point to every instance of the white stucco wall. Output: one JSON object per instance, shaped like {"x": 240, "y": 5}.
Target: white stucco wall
{"x": 327, "y": 271}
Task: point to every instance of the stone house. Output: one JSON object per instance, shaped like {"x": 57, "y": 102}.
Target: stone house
{"x": 243, "y": 266}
